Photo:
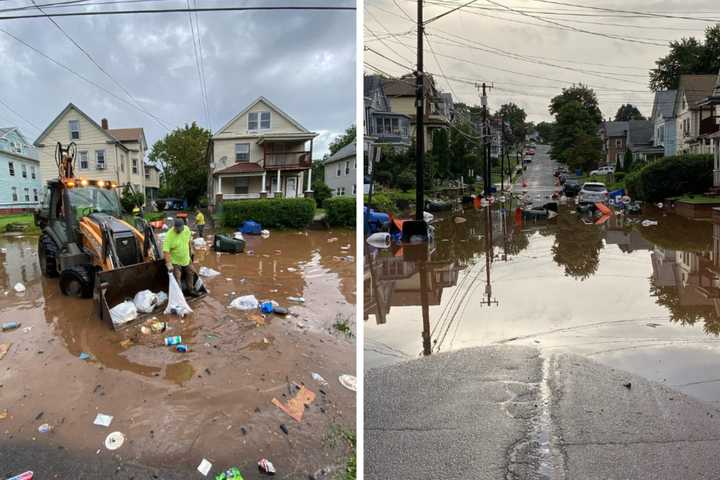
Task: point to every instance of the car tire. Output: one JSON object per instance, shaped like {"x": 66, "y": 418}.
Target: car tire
{"x": 77, "y": 281}
{"x": 47, "y": 255}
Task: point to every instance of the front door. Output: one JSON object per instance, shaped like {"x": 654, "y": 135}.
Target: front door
{"x": 291, "y": 187}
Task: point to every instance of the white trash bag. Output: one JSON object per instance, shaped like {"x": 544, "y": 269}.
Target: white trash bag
{"x": 199, "y": 243}
{"x": 246, "y": 302}
{"x": 145, "y": 301}
{"x": 238, "y": 236}
{"x": 176, "y": 300}
{"x": 123, "y": 313}
{"x": 161, "y": 298}
{"x": 208, "y": 272}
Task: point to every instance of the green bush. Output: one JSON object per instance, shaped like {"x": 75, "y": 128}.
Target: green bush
{"x": 406, "y": 180}
{"x": 340, "y": 211}
{"x": 270, "y": 213}
{"x": 671, "y": 177}
{"x": 381, "y": 202}
{"x": 131, "y": 199}
{"x": 321, "y": 192}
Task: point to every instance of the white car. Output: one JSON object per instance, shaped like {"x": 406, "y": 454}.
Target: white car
{"x": 593, "y": 192}
{"x": 606, "y": 170}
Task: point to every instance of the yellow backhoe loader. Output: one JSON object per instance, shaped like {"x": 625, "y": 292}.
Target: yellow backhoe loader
{"x": 89, "y": 246}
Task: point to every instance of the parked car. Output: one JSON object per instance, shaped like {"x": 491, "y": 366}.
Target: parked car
{"x": 527, "y": 159}
{"x": 605, "y": 170}
{"x": 593, "y": 192}
{"x": 530, "y": 151}
{"x": 571, "y": 187}
{"x": 560, "y": 171}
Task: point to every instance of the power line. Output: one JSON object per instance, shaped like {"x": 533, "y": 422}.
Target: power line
{"x": 448, "y": 12}
{"x": 203, "y": 100}
{"x": 370, "y": 49}
{"x": 438, "y": 63}
{"x": 383, "y": 41}
{"x": 202, "y": 67}
{"x": 635, "y": 12}
{"x": 90, "y": 57}
{"x": 20, "y": 116}
{"x": 179, "y": 10}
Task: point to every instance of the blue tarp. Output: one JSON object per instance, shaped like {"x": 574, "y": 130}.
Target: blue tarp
{"x": 250, "y": 227}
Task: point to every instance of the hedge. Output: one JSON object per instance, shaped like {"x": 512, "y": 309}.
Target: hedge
{"x": 270, "y": 213}
{"x": 340, "y": 211}
{"x": 671, "y": 177}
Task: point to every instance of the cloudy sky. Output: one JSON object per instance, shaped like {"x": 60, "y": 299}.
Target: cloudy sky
{"x": 303, "y": 61}
{"x": 464, "y": 42}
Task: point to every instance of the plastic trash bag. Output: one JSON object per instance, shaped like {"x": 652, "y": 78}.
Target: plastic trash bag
{"x": 246, "y": 302}
{"x": 265, "y": 233}
{"x": 208, "y": 272}
{"x": 123, "y": 313}
{"x": 199, "y": 243}
{"x": 145, "y": 301}
{"x": 379, "y": 240}
{"x": 176, "y": 300}
{"x": 19, "y": 287}
{"x": 238, "y": 236}
{"x": 161, "y": 298}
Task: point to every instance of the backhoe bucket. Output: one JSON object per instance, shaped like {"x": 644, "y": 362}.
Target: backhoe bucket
{"x": 121, "y": 284}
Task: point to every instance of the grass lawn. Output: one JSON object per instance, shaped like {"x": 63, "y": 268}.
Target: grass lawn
{"x": 22, "y": 218}
{"x": 697, "y": 199}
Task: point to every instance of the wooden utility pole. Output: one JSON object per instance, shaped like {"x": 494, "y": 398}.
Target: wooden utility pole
{"x": 485, "y": 137}
{"x": 419, "y": 118}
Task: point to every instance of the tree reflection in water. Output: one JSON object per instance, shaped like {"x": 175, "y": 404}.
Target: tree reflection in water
{"x": 577, "y": 246}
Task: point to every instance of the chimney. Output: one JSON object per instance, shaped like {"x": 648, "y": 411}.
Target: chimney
{"x": 104, "y": 123}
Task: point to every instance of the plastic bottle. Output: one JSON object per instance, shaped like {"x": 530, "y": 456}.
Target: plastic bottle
{"x": 266, "y": 307}
{"x": 10, "y": 326}
{"x": 176, "y": 340}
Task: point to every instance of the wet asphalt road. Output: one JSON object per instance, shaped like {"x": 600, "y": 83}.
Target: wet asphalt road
{"x": 539, "y": 175}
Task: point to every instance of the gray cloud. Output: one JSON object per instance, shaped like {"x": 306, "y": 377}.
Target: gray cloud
{"x": 303, "y": 61}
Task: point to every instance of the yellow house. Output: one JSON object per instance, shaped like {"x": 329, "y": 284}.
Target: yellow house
{"x": 102, "y": 153}
{"x": 261, "y": 152}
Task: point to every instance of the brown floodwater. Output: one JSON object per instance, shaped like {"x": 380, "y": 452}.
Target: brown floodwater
{"x": 642, "y": 299}
{"x": 213, "y": 402}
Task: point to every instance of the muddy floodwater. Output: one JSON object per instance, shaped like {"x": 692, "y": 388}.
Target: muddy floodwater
{"x": 641, "y": 299}
{"x": 213, "y": 402}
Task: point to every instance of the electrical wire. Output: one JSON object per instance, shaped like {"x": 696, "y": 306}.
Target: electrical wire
{"x": 203, "y": 99}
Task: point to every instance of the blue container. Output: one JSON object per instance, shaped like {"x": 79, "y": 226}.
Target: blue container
{"x": 182, "y": 348}
{"x": 173, "y": 340}
{"x": 266, "y": 307}
{"x": 250, "y": 227}
{"x": 10, "y": 326}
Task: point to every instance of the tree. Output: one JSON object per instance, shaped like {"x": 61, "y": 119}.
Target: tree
{"x": 440, "y": 153}
{"x": 628, "y": 161}
{"x": 341, "y": 140}
{"x": 516, "y": 117}
{"x": 545, "y": 130}
{"x": 406, "y": 180}
{"x": 321, "y": 192}
{"x": 181, "y": 156}
{"x": 575, "y": 137}
{"x": 687, "y": 56}
{"x": 463, "y": 150}
{"x": 628, "y": 112}
{"x": 131, "y": 199}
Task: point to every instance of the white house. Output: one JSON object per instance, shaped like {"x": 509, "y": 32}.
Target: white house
{"x": 261, "y": 152}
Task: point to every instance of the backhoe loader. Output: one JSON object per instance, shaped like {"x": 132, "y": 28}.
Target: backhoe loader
{"x": 87, "y": 244}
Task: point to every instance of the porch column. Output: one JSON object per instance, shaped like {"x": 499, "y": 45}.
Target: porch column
{"x": 220, "y": 192}
{"x": 263, "y": 190}
{"x": 309, "y": 182}
{"x": 278, "y": 192}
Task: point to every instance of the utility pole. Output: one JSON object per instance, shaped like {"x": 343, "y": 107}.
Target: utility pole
{"x": 501, "y": 153}
{"x": 419, "y": 119}
{"x": 485, "y": 135}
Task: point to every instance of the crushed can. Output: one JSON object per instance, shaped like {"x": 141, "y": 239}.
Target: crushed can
{"x": 266, "y": 466}
{"x": 10, "y": 326}
{"x": 182, "y": 348}
{"x": 23, "y": 476}
{"x": 266, "y": 307}
{"x": 176, "y": 340}
{"x": 230, "y": 474}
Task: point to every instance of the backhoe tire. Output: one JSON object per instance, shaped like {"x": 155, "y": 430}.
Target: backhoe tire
{"x": 47, "y": 255}
{"x": 76, "y": 281}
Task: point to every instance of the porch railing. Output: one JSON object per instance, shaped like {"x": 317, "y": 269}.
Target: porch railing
{"x": 239, "y": 196}
{"x": 287, "y": 160}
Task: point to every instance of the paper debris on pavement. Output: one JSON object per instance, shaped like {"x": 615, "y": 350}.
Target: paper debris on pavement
{"x": 296, "y": 406}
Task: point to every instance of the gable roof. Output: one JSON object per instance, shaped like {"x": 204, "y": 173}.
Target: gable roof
{"x": 664, "y": 103}
{"x": 56, "y": 120}
{"x": 241, "y": 168}
{"x": 269, "y": 104}
{"x": 616, "y": 129}
{"x": 5, "y": 130}
{"x": 696, "y": 87}
{"x": 405, "y": 86}
{"x": 345, "y": 152}
{"x": 639, "y": 133}
{"x": 127, "y": 134}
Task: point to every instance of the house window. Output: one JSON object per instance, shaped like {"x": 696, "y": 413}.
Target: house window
{"x": 261, "y": 118}
{"x": 74, "y": 129}
{"x": 242, "y": 152}
{"x": 242, "y": 185}
{"x": 396, "y": 127}
{"x": 83, "y": 160}
{"x": 35, "y": 194}
{"x": 24, "y": 170}
{"x": 347, "y": 168}
{"x": 100, "y": 159}
{"x": 354, "y": 188}
{"x": 378, "y": 125}
{"x": 147, "y": 173}
{"x": 338, "y": 172}
{"x": 14, "y": 194}
{"x": 32, "y": 173}
{"x": 618, "y": 143}
{"x": 265, "y": 120}
{"x": 11, "y": 167}
{"x": 27, "y": 194}
{"x": 135, "y": 166}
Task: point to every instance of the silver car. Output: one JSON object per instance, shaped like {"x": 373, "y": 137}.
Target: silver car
{"x": 593, "y": 192}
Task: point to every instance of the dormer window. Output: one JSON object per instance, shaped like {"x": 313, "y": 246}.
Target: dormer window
{"x": 74, "y": 126}
{"x": 259, "y": 121}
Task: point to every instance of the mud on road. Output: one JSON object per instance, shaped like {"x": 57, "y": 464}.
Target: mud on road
{"x": 175, "y": 408}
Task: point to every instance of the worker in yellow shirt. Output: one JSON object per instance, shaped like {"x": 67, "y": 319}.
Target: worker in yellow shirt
{"x": 199, "y": 222}
{"x": 177, "y": 249}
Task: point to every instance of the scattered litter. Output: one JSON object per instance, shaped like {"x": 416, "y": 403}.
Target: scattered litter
{"x": 627, "y": 385}
{"x": 45, "y": 428}
{"x": 267, "y": 307}
{"x": 296, "y": 406}
{"x": 318, "y": 378}
{"x": 649, "y": 223}
{"x": 284, "y": 428}
{"x": 126, "y": 343}
{"x": 238, "y": 236}
{"x": 114, "y": 441}
{"x": 176, "y": 301}
{"x": 176, "y": 340}
{"x": 232, "y": 473}
{"x": 250, "y": 227}
{"x": 103, "y": 420}
{"x": 182, "y": 348}
{"x": 460, "y": 219}
{"x": 332, "y": 240}
{"x": 265, "y": 233}
{"x": 428, "y": 217}
{"x": 348, "y": 381}
{"x": 158, "y": 327}
{"x": 10, "y": 326}
{"x": 145, "y": 330}
{"x": 280, "y": 310}
{"x": 19, "y": 287}
{"x": 27, "y": 329}
{"x": 296, "y": 299}
{"x": 123, "y": 313}
{"x": 4, "y": 349}
{"x": 208, "y": 272}
{"x": 652, "y": 325}
{"x": 3, "y": 414}
{"x": 345, "y": 247}
{"x": 266, "y": 466}
{"x": 85, "y": 356}
{"x": 379, "y": 240}
{"x": 659, "y": 205}
{"x": 3, "y": 250}
{"x": 204, "y": 467}
{"x": 161, "y": 298}
{"x": 145, "y": 301}
{"x": 246, "y": 302}
{"x": 291, "y": 269}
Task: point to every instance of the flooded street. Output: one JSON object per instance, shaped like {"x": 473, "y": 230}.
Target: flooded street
{"x": 641, "y": 299}
{"x": 175, "y": 409}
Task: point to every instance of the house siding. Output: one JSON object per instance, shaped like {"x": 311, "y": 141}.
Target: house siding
{"x": 27, "y": 160}
{"x": 344, "y": 180}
